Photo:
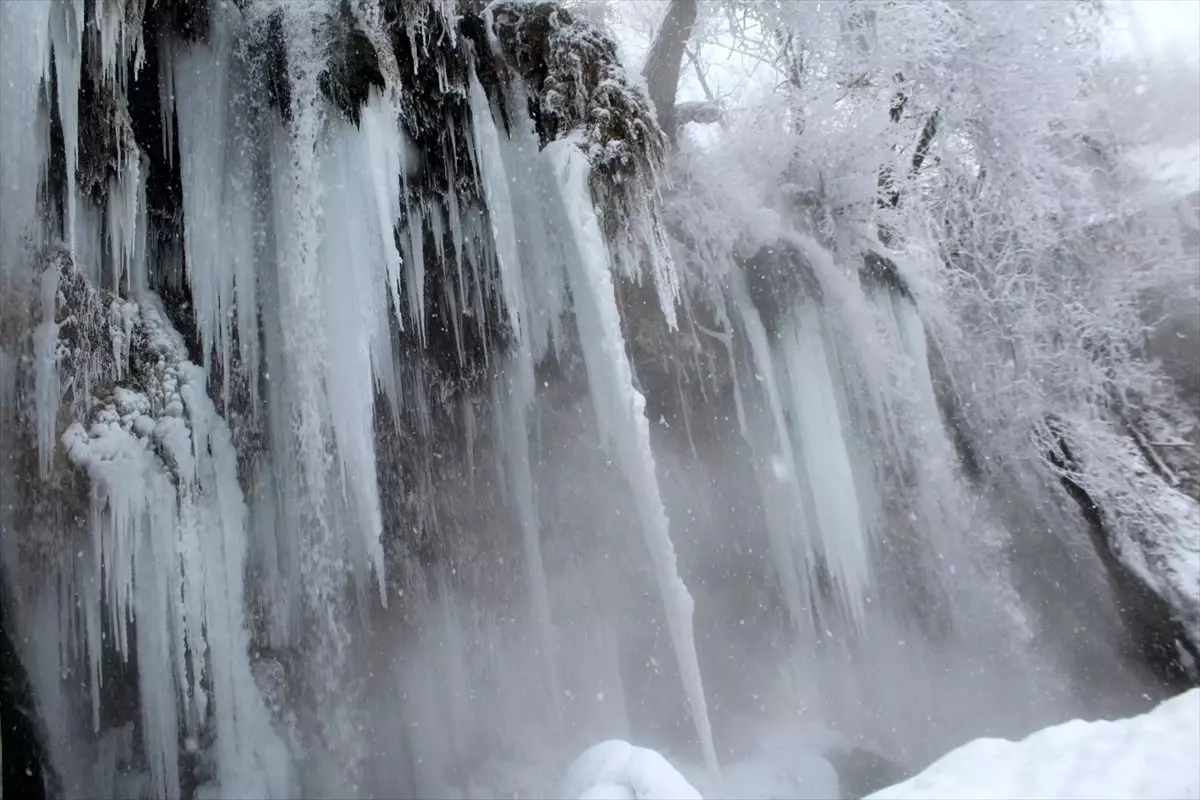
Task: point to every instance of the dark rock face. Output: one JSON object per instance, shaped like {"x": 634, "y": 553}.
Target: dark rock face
{"x": 20, "y": 741}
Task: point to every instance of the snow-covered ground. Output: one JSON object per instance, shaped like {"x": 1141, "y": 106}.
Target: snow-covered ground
{"x": 1155, "y": 755}
{"x": 617, "y": 770}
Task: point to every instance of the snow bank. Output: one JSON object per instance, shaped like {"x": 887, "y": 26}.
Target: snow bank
{"x": 617, "y": 770}
{"x": 1154, "y": 755}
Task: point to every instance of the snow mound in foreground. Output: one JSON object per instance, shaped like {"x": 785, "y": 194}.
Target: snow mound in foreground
{"x": 1155, "y": 755}
{"x": 617, "y": 770}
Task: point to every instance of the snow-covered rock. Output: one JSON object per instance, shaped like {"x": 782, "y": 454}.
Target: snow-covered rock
{"x": 1176, "y": 168}
{"x": 1156, "y": 754}
{"x": 618, "y": 770}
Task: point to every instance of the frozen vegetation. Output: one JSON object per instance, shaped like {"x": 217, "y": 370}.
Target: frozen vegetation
{"x": 399, "y": 398}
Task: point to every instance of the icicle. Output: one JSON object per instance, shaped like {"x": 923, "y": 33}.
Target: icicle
{"x": 518, "y": 375}
{"x": 121, "y": 319}
{"x": 500, "y": 206}
{"x": 123, "y": 213}
{"x": 780, "y": 483}
{"x": 24, "y": 59}
{"x": 252, "y": 760}
{"x": 684, "y": 405}
{"x": 166, "y": 99}
{"x": 414, "y": 260}
{"x": 167, "y": 551}
{"x": 216, "y": 210}
{"x": 384, "y": 154}
{"x": 89, "y": 240}
{"x": 242, "y": 230}
{"x": 117, "y": 40}
{"x": 45, "y": 346}
{"x": 66, "y": 36}
{"x": 610, "y": 378}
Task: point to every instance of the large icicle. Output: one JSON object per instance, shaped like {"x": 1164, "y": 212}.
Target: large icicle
{"x": 621, "y": 413}
{"x": 126, "y": 221}
{"x": 24, "y": 55}
{"x": 518, "y": 374}
{"x": 216, "y": 173}
{"x": 66, "y": 36}
{"x": 817, "y": 425}
{"x": 360, "y": 173}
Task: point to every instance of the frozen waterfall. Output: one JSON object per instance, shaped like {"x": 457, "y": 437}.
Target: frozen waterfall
{"x": 368, "y": 429}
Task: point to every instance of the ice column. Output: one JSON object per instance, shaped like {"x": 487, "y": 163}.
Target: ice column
{"x": 621, "y": 414}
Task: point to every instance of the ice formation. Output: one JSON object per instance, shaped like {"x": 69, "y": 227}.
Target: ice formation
{"x": 167, "y": 551}
{"x": 344, "y": 382}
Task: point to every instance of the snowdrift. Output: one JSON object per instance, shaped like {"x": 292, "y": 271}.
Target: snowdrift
{"x": 617, "y": 770}
{"x": 1156, "y": 754}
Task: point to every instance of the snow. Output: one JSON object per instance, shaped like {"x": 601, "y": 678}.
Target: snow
{"x": 1156, "y": 754}
{"x": 617, "y": 770}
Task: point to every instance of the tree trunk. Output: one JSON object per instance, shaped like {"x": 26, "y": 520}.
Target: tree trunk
{"x": 665, "y": 61}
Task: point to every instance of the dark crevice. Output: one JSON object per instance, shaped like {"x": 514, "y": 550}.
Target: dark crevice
{"x": 56, "y": 167}
{"x": 273, "y": 55}
{"x": 164, "y": 182}
{"x": 25, "y": 765}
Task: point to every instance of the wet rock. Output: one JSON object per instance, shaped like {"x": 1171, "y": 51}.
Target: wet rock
{"x": 861, "y": 771}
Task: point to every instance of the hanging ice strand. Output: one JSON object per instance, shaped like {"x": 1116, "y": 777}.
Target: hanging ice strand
{"x": 518, "y": 380}
{"x": 620, "y": 412}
